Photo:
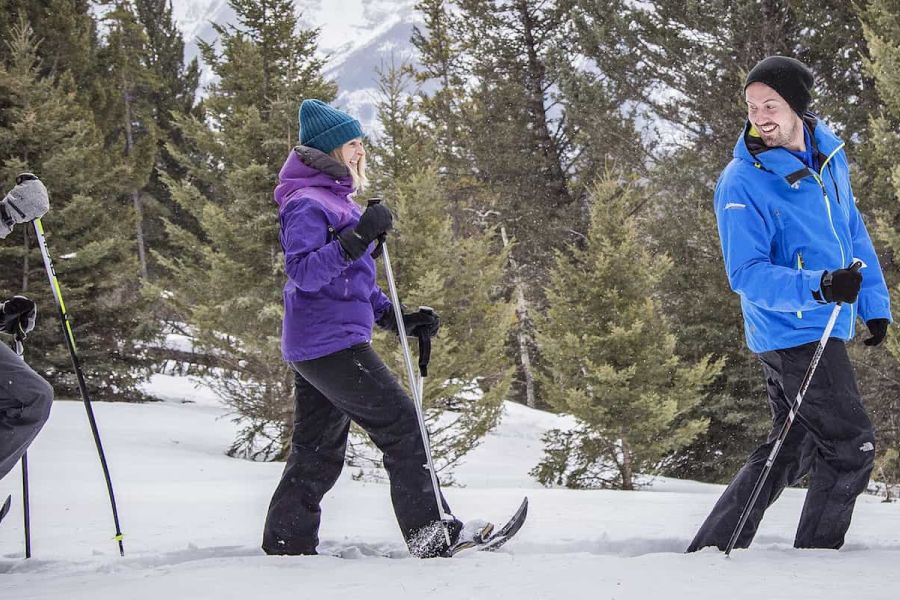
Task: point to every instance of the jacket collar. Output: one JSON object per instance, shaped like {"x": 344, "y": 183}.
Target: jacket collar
{"x": 322, "y": 162}
{"x": 307, "y": 167}
{"x": 778, "y": 160}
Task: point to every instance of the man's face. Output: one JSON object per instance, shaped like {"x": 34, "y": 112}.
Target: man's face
{"x": 772, "y": 116}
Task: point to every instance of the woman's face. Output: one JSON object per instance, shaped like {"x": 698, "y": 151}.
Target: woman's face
{"x": 352, "y": 152}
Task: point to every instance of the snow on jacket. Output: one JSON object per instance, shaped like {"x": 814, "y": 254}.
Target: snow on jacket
{"x": 330, "y": 302}
{"x": 782, "y": 225}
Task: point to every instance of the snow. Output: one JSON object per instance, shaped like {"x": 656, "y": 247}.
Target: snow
{"x": 192, "y": 519}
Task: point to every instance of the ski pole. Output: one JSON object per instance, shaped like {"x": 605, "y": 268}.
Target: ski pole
{"x": 795, "y": 407}
{"x": 416, "y": 389}
{"x": 26, "y": 505}
{"x": 76, "y": 364}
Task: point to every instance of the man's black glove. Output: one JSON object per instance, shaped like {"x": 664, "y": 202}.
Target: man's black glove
{"x": 422, "y": 322}
{"x": 878, "y": 329}
{"x": 375, "y": 221}
{"x": 17, "y": 316}
{"x": 841, "y": 285}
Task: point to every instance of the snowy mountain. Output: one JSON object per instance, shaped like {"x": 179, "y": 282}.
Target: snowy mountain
{"x": 356, "y": 37}
{"x": 192, "y": 519}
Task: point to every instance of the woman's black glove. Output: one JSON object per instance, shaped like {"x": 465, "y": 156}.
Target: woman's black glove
{"x": 375, "y": 221}
{"x": 878, "y": 329}
{"x": 423, "y": 322}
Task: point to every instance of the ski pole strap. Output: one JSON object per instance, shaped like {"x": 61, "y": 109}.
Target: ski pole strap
{"x": 424, "y": 353}
{"x": 14, "y": 341}
{"x": 379, "y": 246}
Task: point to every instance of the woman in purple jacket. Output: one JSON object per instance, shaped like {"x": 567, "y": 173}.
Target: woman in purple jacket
{"x": 331, "y": 302}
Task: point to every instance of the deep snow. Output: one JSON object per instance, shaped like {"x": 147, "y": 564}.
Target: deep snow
{"x": 192, "y": 519}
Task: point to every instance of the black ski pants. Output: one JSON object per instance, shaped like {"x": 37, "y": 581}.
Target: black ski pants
{"x": 25, "y": 399}
{"x": 832, "y": 440}
{"x": 353, "y": 384}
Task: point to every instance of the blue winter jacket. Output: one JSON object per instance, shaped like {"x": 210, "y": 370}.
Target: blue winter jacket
{"x": 782, "y": 225}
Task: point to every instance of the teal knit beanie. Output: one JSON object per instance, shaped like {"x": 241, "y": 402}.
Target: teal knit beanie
{"x": 325, "y": 128}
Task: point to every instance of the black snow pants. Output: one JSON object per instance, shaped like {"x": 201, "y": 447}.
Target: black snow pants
{"x": 831, "y": 439}
{"x": 353, "y": 384}
{"x": 25, "y": 399}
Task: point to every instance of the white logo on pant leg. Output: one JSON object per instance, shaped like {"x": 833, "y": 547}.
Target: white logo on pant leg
{"x": 867, "y": 447}
{"x": 732, "y": 205}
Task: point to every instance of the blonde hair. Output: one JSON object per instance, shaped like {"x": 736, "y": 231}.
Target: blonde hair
{"x": 360, "y": 181}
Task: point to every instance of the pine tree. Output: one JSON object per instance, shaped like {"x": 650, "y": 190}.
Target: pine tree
{"x": 67, "y": 33}
{"x": 879, "y": 370}
{"x": 611, "y": 356}
{"x": 172, "y": 96}
{"x": 459, "y": 274}
{"x": 132, "y": 133}
{"x": 44, "y": 129}
{"x": 227, "y": 274}
{"x": 491, "y": 120}
{"x": 522, "y": 124}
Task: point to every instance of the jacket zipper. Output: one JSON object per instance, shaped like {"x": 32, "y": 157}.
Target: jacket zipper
{"x": 821, "y": 182}
{"x": 799, "y": 268}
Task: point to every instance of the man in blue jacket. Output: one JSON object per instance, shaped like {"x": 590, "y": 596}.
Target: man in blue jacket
{"x": 790, "y": 228}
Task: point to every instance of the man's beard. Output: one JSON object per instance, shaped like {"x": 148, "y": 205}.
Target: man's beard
{"x": 779, "y": 137}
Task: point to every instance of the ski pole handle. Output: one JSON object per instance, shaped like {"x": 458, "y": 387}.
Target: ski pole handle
{"x": 379, "y": 246}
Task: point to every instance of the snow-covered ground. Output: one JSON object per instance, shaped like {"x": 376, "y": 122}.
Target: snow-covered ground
{"x": 192, "y": 519}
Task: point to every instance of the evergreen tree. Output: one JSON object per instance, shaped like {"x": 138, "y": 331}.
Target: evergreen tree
{"x": 67, "y": 34}
{"x": 129, "y": 112}
{"x": 172, "y": 96}
{"x": 611, "y": 355}
{"x": 519, "y": 132}
{"x": 879, "y": 370}
{"x": 44, "y": 129}
{"x": 458, "y": 274}
{"x": 227, "y": 274}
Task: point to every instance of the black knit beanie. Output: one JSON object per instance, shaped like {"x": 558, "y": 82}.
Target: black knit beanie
{"x": 788, "y": 76}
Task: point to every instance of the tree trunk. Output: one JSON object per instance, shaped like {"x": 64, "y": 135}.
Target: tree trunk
{"x": 136, "y": 193}
{"x": 626, "y": 468}
{"x": 522, "y": 334}
{"x": 535, "y": 77}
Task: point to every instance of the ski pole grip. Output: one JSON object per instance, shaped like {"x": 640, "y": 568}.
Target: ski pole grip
{"x": 424, "y": 353}
{"x": 855, "y": 266}
{"x": 373, "y": 201}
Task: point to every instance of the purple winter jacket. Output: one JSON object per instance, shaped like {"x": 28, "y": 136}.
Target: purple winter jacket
{"x": 330, "y": 302}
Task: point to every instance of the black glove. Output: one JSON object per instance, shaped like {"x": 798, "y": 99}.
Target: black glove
{"x": 25, "y": 202}
{"x": 375, "y": 221}
{"x": 422, "y": 322}
{"x": 17, "y": 316}
{"x": 878, "y": 329}
{"x": 841, "y": 286}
